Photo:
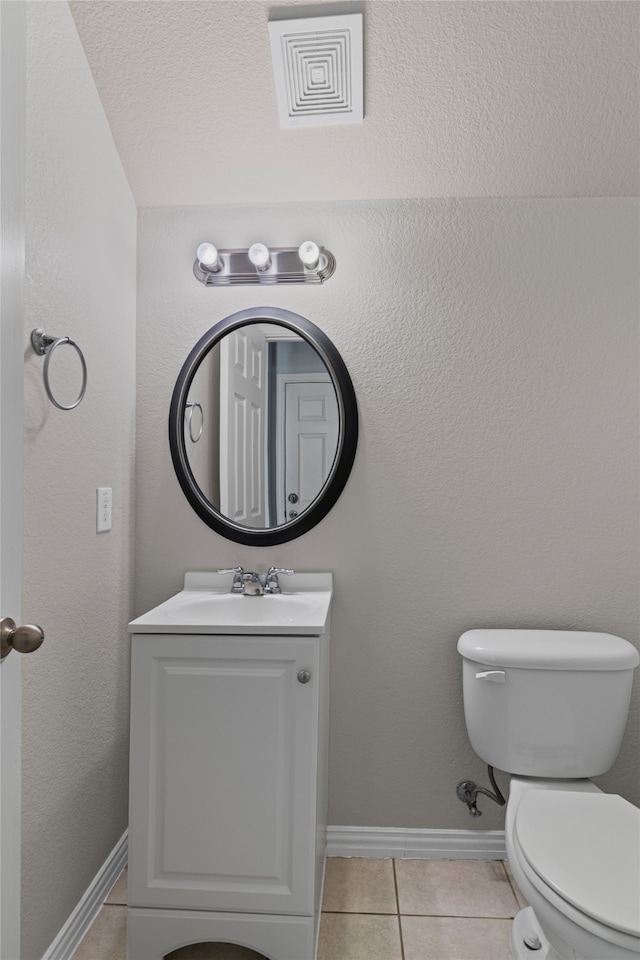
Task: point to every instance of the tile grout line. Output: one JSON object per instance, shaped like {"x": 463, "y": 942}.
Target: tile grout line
{"x": 395, "y": 884}
{"x": 375, "y": 913}
{"x": 512, "y": 884}
{"x": 358, "y": 913}
{"x": 456, "y": 916}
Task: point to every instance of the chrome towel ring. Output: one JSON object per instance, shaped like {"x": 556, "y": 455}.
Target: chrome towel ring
{"x": 44, "y": 345}
{"x": 191, "y": 405}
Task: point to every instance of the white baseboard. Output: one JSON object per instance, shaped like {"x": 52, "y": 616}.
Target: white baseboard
{"x": 413, "y": 844}
{"x": 67, "y": 941}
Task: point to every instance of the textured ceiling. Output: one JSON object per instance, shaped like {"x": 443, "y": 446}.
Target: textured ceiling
{"x": 478, "y": 98}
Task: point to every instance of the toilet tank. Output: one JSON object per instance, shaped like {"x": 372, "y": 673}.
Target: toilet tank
{"x": 546, "y": 703}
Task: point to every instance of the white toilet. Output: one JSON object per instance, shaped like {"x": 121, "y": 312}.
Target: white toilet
{"x": 550, "y": 708}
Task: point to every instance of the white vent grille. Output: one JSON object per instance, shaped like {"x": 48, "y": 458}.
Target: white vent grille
{"x": 317, "y": 65}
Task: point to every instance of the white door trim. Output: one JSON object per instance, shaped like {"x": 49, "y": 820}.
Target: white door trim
{"x": 12, "y": 163}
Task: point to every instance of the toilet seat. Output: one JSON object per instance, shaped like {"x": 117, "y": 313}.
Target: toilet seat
{"x": 586, "y": 848}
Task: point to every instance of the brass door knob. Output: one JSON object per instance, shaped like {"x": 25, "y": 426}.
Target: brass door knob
{"x": 24, "y": 639}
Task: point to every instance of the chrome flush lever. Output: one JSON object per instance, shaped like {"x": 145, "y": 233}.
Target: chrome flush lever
{"x": 495, "y": 676}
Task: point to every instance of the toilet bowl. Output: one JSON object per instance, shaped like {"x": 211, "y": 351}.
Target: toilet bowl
{"x": 574, "y": 851}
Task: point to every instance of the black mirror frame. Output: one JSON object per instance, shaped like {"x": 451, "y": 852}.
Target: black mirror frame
{"x": 347, "y": 440}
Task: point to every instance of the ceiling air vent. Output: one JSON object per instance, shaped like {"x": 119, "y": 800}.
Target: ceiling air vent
{"x": 317, "y": 64}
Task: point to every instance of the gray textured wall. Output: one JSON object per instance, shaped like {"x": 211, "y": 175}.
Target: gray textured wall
{"x": 80, "y": 282}
{"x": 493, "y": 346}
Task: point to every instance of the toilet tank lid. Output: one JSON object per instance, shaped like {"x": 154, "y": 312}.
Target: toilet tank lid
{"x": 548, "y": 649}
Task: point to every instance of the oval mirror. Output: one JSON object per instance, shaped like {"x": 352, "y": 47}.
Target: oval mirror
{"x": 263, "y": 426}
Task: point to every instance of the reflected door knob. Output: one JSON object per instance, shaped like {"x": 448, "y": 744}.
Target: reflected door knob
{"x": 24, "y": 639}
{"x": 293, "y": 498}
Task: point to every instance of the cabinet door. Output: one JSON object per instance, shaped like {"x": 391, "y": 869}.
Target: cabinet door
{"x": 223, "y": 773}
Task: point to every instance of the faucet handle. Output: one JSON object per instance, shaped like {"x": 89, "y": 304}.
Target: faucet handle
{"x": 274, "y": 570}
{"x": 271, "y": 579}
{"x": 238, "y": 577}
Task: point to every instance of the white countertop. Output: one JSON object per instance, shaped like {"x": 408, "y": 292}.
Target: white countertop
{"x": 206, "y": 605}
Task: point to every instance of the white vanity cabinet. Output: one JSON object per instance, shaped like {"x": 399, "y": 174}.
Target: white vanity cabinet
{"x": 228, "y": 778}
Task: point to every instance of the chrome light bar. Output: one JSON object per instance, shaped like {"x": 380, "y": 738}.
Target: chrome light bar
{"x": 307, "y": 263}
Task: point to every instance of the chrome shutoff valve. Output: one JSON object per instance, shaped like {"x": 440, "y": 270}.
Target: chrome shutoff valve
{"x": 467, "y": 791}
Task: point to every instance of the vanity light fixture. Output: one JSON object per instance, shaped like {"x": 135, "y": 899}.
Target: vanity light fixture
{"x": 308, "y": 263}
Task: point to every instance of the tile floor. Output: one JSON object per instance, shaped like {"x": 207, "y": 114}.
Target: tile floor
{"x": 372, "y": 910}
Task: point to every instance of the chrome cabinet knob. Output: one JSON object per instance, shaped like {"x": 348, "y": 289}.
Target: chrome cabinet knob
{"x": 304, "y": 676}
{"x": 24, "y": 639}
{"x": 293, "y": 498}
{"x": 293, "y": 514}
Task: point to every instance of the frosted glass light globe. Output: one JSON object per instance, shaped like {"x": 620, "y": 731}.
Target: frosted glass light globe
{"x": 309, "y": 253}
{"x": 207, "y": 254}
{"x": 258, "y": 253}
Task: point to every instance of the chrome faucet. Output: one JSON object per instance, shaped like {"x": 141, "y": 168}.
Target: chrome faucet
{"x": 251, "y": 584}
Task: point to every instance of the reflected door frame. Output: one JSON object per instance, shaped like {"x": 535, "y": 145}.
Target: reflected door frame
{"x": 282, "y": 380}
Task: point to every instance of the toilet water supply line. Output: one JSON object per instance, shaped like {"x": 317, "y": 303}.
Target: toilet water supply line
{"x": 467, "y": 791}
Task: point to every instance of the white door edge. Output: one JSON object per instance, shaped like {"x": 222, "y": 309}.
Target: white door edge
{"x": 12, "y": 163}
{"x": 282, "y": 379}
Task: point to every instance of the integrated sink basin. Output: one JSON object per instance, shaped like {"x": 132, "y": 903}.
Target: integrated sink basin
{"x": 226, "y": 609}
{"x": 206, "y": 605}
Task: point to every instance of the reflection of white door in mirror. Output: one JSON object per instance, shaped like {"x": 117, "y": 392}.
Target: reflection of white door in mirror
{"x": 242, "y": 424}
{"x": 307, "y": 439}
